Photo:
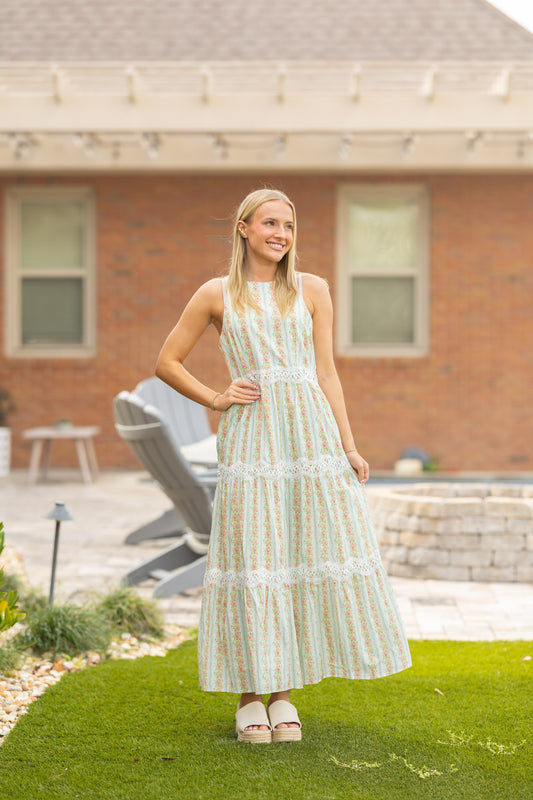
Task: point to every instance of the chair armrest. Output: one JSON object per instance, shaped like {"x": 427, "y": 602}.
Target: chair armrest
{"x": 209, "y": 478}
{"x": 132, "y": 433}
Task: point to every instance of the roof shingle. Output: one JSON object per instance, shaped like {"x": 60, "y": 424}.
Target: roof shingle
{"x": 220, "y": 30}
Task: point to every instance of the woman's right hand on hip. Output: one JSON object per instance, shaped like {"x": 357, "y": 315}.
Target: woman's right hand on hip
{"x": 239, "y": 391}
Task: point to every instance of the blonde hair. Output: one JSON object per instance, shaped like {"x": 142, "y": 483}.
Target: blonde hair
{"x": 285, "y": 283}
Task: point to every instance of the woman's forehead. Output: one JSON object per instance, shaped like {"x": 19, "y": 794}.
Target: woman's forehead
{"x": 278, "y": 209}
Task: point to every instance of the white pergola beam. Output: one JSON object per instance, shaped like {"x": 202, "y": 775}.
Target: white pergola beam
{"x": 134, "y": 84}
{"x": 435, "y": 116}
{"x": 207, "y": 89}
{"x": 255, "y": 113}
{"x": 427, "y": 89}
{"x": 59, "y": 85}
{"x": 373, "y": 151}
{"x": 502, "y": 85}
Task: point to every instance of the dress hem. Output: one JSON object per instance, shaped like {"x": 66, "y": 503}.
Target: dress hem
{"x": 301, "y": 685}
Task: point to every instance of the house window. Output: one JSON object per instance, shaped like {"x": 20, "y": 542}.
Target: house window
{"x": 382, "y": 270}
{"x": 50, "y": 272}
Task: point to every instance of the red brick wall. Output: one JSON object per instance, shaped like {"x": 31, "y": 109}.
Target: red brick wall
{"x": 467, "y": 403}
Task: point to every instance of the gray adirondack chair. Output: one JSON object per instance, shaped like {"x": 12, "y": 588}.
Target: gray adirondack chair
{"x": 182, "y": 565}
{"x": 187, "y": 420}
{"x": 189, "y": 427}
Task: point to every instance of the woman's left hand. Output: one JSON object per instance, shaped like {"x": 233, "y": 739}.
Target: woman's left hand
{"x": 359, "y": 464}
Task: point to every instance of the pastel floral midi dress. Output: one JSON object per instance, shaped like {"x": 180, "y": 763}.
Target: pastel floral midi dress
{"x": 294, "y": 590}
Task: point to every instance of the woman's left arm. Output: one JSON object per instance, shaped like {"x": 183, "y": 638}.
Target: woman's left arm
{"x": 318, "y": 301}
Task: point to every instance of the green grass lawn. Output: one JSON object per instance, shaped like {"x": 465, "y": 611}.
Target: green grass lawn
{"x": 142, "y": 729}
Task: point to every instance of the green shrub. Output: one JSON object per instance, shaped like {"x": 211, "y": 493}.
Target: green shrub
{"x": 12, "y": 583}
{"x": 126, "y": 610}
{"x": 29, "y": 598}
{"x": 11, "y": 656}
{"x": 66, "y": 630}
{"x": 9, "y": 610}
{"x": 6, "y": 407}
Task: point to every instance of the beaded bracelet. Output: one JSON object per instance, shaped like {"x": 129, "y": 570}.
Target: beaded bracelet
{"x": 212, "y": 404}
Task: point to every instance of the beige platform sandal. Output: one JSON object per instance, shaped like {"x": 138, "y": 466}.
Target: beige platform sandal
{"x": 282, "y": 711}
{"x": 253, "y": 714}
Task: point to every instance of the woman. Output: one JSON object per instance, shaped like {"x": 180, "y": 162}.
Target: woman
{"x": 294, "y": 589}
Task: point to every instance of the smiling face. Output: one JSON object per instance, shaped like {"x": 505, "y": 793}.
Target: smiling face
{"x": 269, "y": 233}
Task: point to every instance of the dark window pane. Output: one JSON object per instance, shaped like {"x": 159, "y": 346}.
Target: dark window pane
{"x": 52, "y": 311}
{"x": 382, "y": 310}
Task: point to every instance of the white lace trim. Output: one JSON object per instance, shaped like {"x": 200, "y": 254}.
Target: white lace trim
{"x": 288, "y": 374}
{"x": 326, "y": 465}
{"x": 292, "y": 575}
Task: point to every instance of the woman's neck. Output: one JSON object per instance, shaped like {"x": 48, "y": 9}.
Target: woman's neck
{"x": 260, "y": 274}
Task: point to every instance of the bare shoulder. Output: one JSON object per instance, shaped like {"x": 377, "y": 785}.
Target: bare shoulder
{"x": 209, "y": 296}
{"x": 315, "y": 291}
{"x": 206, "y": 305}
{"x": 210, "y": 290}
{"x": 313, "y": 282}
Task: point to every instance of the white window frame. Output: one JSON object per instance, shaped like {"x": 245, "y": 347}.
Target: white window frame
{"x": 14, "y": 347}
{"x": 368, "y": 192}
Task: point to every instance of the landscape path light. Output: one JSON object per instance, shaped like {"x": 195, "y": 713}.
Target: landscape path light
{"x": 60, "y": 513}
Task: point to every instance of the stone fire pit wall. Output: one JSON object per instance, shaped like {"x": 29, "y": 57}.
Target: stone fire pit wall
{"x": 458, "y": 532}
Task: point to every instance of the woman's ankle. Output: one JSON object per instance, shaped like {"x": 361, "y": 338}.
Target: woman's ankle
{"x": 278, "y": 696}
{"x": 249, "y": 697}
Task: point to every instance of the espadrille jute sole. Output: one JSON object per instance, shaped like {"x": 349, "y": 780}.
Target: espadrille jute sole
{"x": 252, "y": 714}
{"x": 287, "y": 735}
{"x": 281, "y": 711}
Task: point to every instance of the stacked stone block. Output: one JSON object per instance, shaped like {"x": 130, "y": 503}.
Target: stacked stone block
{"x": 460, "y": 532}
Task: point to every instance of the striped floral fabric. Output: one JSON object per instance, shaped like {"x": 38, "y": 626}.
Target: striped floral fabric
{"x": 294, "y": 589}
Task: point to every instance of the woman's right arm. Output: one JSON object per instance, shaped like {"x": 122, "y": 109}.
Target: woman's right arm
{"x": 205, "y": 307}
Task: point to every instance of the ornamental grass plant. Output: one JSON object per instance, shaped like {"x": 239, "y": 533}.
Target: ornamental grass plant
{"x": 65, "y": 630}
{"x": 71, "y": 630}
{"x": 457, "y": 725}
{"x": 126, "y": 611}
{"x": 11, "y": 657}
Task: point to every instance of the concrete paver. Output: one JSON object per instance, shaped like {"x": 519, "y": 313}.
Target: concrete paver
{"x": 93, "y": 557}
